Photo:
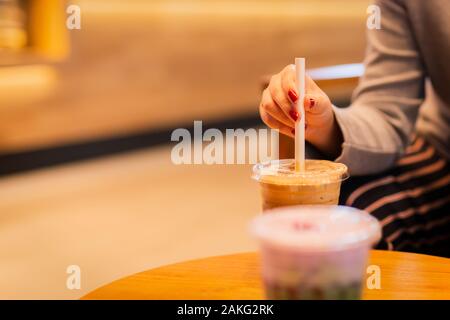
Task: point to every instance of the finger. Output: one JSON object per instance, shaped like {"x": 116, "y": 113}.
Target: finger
{"x": 310, "y": 84}
{"x": 273, "y": 123}
{"x": 316, "y": 104}
{"x": 269, "y": 105}
{"x": 288, "y": 83}
{"x": 279, "y": 96}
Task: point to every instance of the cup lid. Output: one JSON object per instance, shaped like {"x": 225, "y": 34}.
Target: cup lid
{"x": 317, "y": 228}
{"x": 283, "y": 172}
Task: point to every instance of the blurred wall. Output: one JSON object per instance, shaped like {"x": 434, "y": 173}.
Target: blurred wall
{"x": 137, "y": 65}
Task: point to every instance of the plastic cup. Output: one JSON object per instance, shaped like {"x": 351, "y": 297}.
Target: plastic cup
{"x": 315, "y": 252}
{"x": 282, "y": 186}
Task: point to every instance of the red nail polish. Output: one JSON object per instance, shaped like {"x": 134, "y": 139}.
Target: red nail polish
{"x": 312, "y": 103}
{"x": 294, "y": 114}
{"x": 293, "y": 96}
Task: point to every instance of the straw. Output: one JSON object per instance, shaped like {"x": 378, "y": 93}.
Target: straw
{"x": 300, "y": 124}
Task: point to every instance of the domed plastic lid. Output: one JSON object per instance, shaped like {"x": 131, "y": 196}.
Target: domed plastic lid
{"x": 317, "y": 228}
{"x": 316, "y": 172}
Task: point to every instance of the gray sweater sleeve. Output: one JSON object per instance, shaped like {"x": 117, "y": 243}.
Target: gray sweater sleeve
{"x": 378, "y": 124}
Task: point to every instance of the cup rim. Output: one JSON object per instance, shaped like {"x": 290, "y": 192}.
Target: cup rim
{"x": 262, "y": 228}
{"x": 340, "y": 172}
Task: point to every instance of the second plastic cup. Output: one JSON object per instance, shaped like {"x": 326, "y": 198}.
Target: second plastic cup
{"x": 282, "y": 186}
{"x": 315, "y": 252}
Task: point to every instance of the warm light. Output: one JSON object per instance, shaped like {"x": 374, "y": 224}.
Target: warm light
{"x": 48, "y": 33}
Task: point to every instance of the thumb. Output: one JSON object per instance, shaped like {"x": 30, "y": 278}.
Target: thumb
{"x": 317, "y": 103}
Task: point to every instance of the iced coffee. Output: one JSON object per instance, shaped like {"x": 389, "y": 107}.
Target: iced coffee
{"x": 282, "y": 186}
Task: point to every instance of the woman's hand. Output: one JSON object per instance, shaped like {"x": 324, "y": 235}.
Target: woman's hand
{"x": 277, "y": 110}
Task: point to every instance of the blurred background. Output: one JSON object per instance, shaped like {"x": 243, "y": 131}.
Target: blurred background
{"x": 86, "y": 117}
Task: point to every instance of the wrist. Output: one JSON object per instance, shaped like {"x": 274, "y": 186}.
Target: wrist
{"x": 329, "y": 139}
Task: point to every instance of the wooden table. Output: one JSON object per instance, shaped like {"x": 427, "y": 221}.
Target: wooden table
{"x": 403, "y": 276}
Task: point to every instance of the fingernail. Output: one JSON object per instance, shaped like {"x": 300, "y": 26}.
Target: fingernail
{"x": 294, "y": 114}
{"x": 312, "y": 103}
{"x": 293, "y": 96}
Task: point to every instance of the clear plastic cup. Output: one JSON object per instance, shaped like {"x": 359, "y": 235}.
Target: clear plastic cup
{"x": 282, "y": 186}
{"x": 315, "y": 252}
